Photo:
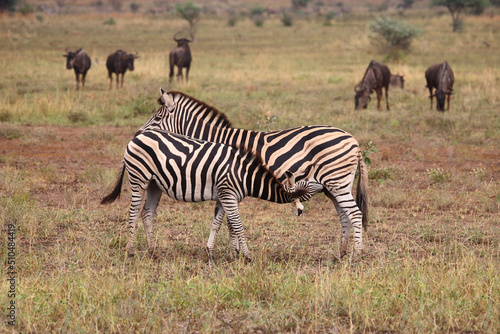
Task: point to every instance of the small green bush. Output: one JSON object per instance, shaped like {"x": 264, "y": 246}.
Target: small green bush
{"x": 26, "y": 9}
{"x": 438, "y": 175}
{"x": 287, "y": 19}
{"x": 392, "y": 34}
{"x": 110, "y": 22}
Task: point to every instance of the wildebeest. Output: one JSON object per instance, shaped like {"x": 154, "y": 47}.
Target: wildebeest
{"x": 440, "y": 76}
{"x": 180, "y": 57}
{"x": 377, "y": 76}
{"x": 118, "y": 63}
{"x": 398, "y": 80}
{"x": 79, "y": 61}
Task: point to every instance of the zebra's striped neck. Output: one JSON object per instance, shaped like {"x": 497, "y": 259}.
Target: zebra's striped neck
{"x": 259, "y": 182}
{"x": 198, "y": 120}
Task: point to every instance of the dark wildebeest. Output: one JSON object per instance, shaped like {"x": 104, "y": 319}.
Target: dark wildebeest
{"x": 398, "y": 80}
{"x": 118, "y": 63}
{"x": 79, "y": 61}
{"x": 440, "y": 76}
{"x": 180, "y": 57}
{"x": 377, "y": 76}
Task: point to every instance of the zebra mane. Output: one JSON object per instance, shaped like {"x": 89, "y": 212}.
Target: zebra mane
{"x": 217, "y": 115}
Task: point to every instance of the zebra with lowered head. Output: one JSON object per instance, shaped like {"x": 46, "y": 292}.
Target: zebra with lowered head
{"x": 324, "y": 155}
{"x": 193, "y": 170}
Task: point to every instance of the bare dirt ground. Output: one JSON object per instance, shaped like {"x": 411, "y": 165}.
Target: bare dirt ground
{"x": 74, "y": 147}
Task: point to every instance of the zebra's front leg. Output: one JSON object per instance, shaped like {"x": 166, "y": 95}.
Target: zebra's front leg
{"x": 153, "y": 196}
{"x": 230, "y": 205}
{"x": 214, "y": 230}
{"x": 134, "y": 212}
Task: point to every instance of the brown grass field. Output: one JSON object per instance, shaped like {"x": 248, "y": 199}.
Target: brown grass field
{"x": 432, "y": 259}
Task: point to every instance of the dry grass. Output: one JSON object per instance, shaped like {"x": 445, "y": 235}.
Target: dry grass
{"x": 432, "y": 249}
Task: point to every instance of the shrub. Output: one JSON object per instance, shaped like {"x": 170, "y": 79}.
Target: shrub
{"x": 300, "y": 3}
{"x": 26, "y": 9}
{"x": 256, "y": 15}
{"x": 134, "y": 7}
{"x": 232, "y": 21}
{"x": 287, "y": 19}
{"x": 367, "y": 149}
{"x": 438, "y": 175}
{"x": 328, "y": 18}
{"x": 110, "y": 22}
{"x": 392, "y": 34}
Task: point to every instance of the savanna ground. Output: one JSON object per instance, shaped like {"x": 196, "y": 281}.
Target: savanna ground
{"x": 431, "y": 258}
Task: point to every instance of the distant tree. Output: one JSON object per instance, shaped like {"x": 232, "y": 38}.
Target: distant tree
{"x": 134, "y": 7}
{"x": 393, "y": 34}
{"x": 189, "y": 12}
{"x": 457, "y": 8}
{"x": 7, "y": 5}
{"x": 300, "y": 3}
{"x": 408, "y": 3}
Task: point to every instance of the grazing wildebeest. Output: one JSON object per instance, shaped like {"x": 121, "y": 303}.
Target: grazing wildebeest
{"x": 440, "y": 76}
{"x": 118, "y": 63}
{"x": 180, "y": 57}
{"x": 377, "y": 76}
{"x": 79, "y": 61}
{"x": 398, "y": 80}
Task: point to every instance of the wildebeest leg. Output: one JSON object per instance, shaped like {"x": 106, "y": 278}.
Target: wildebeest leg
{"x": 430, "y": 95}
{"x": 153, "y": 195}
{"x": 110, "y": 81}
{"x": 171, "y": 74}
{"x": 179, "y": 72}
{"x": 83, "y": 80}
{"x": 187, "y": 72}
{"x": 118, "y": 80}
{"x": 123, "y": 75}
{"x": 449, "y": 97}
{"x": 387, "y": 96}
{"x": 77, "y": 80}
{"x": 379, "y": 97}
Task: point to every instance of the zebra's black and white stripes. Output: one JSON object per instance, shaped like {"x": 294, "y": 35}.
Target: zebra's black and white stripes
{"x": 322, "y": 154}
{"x": 193, "y": 170}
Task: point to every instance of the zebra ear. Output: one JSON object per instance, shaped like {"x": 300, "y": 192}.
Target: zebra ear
{"x": 167, "y": 100}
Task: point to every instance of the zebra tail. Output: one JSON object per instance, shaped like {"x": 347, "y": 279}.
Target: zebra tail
{"x": 118, "y": 187}
{"x": 361, "y": 191}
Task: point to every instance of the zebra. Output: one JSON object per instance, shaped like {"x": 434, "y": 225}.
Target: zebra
{"x": 324, "y": 155}
{"x": 193, "y": 170}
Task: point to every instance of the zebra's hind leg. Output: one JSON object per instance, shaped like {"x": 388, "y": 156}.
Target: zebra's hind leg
{"x": 349, "y": 214}
{"x": 134, "y": 212}
{"x": 153, "y": 195}
{"x": 214, "y": 230}
{"x": 344, "y": 222}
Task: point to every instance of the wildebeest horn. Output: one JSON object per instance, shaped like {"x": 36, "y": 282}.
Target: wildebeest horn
{"x": 136, "y": 54}
{"x": 175, "y": 36}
